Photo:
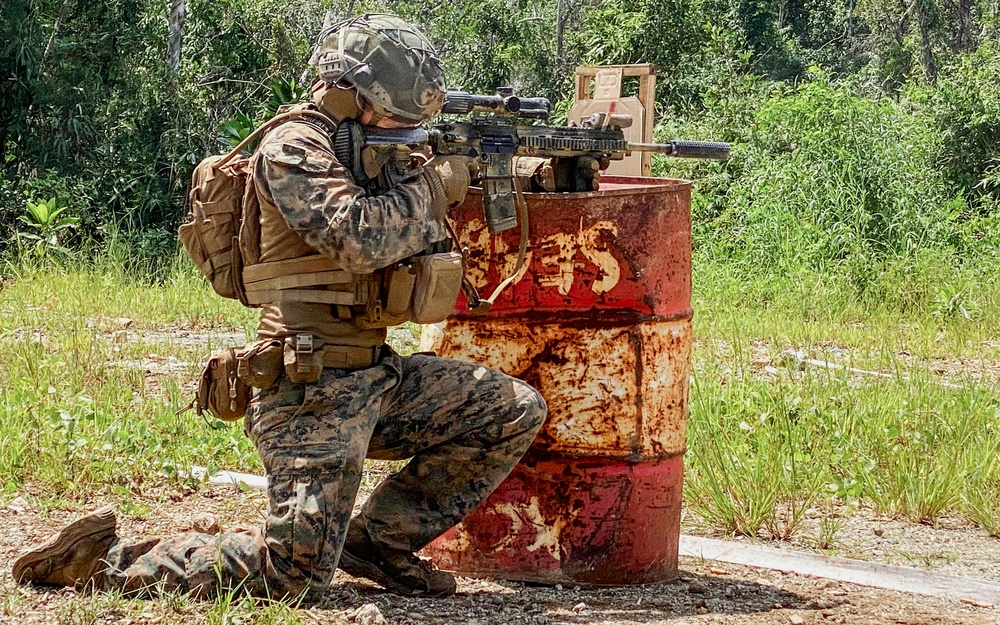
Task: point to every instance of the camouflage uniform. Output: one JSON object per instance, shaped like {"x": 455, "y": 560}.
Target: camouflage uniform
{"x": 463, "y": 426}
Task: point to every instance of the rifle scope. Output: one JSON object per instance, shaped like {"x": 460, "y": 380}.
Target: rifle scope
{"x": 504, "y": 103}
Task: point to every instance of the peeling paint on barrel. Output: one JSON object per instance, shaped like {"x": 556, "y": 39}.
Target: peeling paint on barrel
{"x": 599, "y": 320}
{"x": 605, "y": 524}
{"x": 617, "y": 391}
{"x": 623, "y": 248}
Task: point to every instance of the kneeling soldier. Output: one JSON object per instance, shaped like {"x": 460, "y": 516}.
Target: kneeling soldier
{"x": 321, "y": 255}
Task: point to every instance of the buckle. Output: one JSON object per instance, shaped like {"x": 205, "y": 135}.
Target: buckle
{"x": 303, "y": 353}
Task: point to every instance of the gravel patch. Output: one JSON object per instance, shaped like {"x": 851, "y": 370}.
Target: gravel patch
{"x": 706, "y": 592}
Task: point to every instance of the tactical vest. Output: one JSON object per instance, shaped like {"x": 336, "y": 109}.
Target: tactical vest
{"x": 422, "y": 289}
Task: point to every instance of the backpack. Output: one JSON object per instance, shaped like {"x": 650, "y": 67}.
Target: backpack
{"x": 220, "y": 186}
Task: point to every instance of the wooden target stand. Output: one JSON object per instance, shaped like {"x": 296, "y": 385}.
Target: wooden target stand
{"x": 606, "y": 82}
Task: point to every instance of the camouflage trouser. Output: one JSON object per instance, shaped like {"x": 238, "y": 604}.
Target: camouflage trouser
{"x": 464, "y": 426}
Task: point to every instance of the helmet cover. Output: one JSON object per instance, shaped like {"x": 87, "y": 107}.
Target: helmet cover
{"x": 388, "y": 60}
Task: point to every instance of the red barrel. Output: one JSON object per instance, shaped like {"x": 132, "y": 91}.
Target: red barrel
{"x": 600, "y": 322}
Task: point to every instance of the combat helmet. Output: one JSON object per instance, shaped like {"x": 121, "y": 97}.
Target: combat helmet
{"x": 388, "y": 60}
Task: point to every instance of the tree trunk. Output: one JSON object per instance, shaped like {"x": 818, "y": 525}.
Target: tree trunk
{"x": 850, "y": 26}
{"x": 175, "y": 33}
{"x": 927, "y": 51}
{"x": 560, "y": 26}
{"x": 965, "y": 38}
{"x": 55, "y": 30}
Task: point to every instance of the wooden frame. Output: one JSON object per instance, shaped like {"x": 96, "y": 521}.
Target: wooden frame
{"x": 646, "y": 72}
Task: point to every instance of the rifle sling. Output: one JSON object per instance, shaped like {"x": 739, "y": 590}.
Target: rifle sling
{"x": 482, "y": 306}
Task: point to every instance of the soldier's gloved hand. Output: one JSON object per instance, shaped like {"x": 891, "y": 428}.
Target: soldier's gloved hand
{"x": 582, "y": 173}
{"x": 453, "y": 171}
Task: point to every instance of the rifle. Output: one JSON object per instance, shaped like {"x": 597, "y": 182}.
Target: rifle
{"x": 492, "y": 138}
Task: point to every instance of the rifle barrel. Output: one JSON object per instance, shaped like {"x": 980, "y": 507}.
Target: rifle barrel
{"x": 686, "y": 149}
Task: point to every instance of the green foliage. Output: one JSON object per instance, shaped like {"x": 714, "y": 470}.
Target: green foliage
{"x": 47, "y": 227}
{"x": 965, "y": 108}
{"x": 235, "y": 130}
{"x": 232, "y": 132}
{"x": 835, "y": 183}
{"x": 911, "y": 439}
{"x": 95, "y": 110}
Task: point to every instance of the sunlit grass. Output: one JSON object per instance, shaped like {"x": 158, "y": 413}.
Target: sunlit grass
{"x": 769, "y": 436}
{"x": 100, "y": 364}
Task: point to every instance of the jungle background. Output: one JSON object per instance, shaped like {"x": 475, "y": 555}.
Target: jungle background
{"x": 857, "y": 225}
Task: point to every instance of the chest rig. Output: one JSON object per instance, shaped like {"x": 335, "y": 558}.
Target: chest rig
{"x": 422, "y": 288}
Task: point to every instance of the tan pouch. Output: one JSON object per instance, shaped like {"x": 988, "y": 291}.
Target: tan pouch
{"x": 438, "y": 282}
{"x": 303, "y": 360}
{"x": 400, "y": 291}
{"x": 220, "y": 390}
{"x": 260, "y": 363}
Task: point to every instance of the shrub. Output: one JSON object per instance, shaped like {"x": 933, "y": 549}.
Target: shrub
{"x": 832, "y": 182}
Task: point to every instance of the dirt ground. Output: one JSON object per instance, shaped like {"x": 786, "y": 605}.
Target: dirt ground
{"x": 705, "y": 592}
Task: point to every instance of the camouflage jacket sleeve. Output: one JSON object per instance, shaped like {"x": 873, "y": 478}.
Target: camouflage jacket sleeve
{"x": 318, "y": 198}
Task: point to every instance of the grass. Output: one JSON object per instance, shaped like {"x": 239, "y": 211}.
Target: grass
{"x": 768, "y": 438}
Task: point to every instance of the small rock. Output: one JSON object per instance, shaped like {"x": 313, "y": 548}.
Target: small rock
{"x": 825, "y": 584}
{"x": 685, "y": 579}
{"x": 205, "y": 522}
{"x": 496, "y": 600}
{"x": 696, "y": 588}
{"x": 840, "y": 592}
{"x": 581, "y": 608}
{"x": 795, "y": 619}
{"x": 777, "y": 606}
{"x": 715, "y": 571}
{"x": 123, "y": 322}
{"x": 576, "y": 588}
{"x": 828, "y": 613}
{"x": 120, "y": 336}
{"x": 368, "y": 614}
{"x": 702, "y": 610}
{"x": 878, "y": 531}
{"x": 559, "y": 587}
{"x": 730, "y": 592}
{"x": 18, "y": 505}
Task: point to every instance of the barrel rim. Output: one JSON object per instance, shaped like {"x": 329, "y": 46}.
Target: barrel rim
{"x": 648, "y": 184}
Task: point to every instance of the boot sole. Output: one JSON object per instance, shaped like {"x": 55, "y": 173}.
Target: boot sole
{"x": 99, "y": 522}
{"x": 362, "y": 568}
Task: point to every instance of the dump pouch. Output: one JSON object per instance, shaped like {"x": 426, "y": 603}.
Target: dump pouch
{"x": 220, "y": 390}
{"x": 438, "y": 281}
{"x": 260, "y": 363}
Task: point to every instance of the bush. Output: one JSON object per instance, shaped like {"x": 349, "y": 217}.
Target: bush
{"x": 965, "y": 109}
{"x": 832, "y": 182}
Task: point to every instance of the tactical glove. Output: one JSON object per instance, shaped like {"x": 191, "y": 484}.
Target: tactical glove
{"x": 453, "y": 174}
{"x": 582, "y": 173}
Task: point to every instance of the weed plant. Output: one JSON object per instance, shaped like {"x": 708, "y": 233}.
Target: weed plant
{"x": 764, "y": 445}
{"x": 79, "y": 412}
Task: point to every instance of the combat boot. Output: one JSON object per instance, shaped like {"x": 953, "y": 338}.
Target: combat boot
{"x": 74, "y": 556}
{"x": 401, "y": 572}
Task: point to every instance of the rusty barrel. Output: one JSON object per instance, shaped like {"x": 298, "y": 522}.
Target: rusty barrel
{"x": 599, "y": 321}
